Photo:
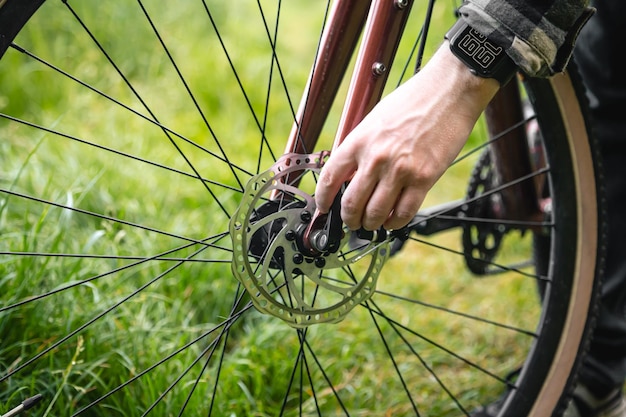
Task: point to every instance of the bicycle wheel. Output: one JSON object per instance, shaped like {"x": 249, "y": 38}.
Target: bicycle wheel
{"x": 137, "y": 142}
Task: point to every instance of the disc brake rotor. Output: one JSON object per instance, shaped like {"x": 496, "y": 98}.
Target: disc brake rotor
{"x": 271, "y": 259}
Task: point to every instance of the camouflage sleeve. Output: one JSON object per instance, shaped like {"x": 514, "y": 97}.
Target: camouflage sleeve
{"x": 539, "y": 35}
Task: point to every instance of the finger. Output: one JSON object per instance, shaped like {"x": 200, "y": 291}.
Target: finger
{"x": 355, "y": 198}
{"x": 338, "y": 169}
{"x": 405, "y": 208}
{"x": 380, "y": 205}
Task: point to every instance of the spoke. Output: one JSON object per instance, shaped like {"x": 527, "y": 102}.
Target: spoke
{"x": 494, "y": 139}
{"x": 315, "y": 60}
{"x": 279, "y": 68}
{"x": 93, "y": 320}
{"x": 490, "y": 263}
{"x": 468, "y": 201}
{"x": 431, "y": 342}
{"x": 313, "y": 394}
{"x": 98, "y": 215}
{"x": 296, "y": 362}
{"x": 233, "y": 68}
{"x": 197, "y": 381}
{"x": 511, "y": 223}
{"x": 193, "y": 99}
{"x": 458, "y": 313}
{"x": 211, "y": 347}
{"x": 485, "y": 194}
{"x": 395, "y": 364}
{"x": 405, "y": 68}
{"x": 529, "y": 333}
{"x": 114, "y": 151}
{"x": 326, "y": 378}
{"x": 225, "y": 331}
{"x": 497, "y": 189}
{"x": 395, "y": 325}
{"x": 425, "y": 27}
{"x": 119, "y": 103}
{"x": 420, "y": 41}
{"x": 221, "y": 325}
{"x": 144, "y": 104}
{"x": 303, "y": 366}
{"x": 96, "y": 277}
{"x": 120, "y": 257}
{"x": 428, "y": 368}
{"x": 274, "y": 61}
{"x": 152, "y": 367}
{"x": 443, "y": 309}
{"x": 301, "y": 390}
{"x": 387, "y": 348}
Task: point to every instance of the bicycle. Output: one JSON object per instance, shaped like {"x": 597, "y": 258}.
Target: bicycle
{"x": 101, "y": 273}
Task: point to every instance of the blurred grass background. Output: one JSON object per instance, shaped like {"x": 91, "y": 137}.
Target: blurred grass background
{"x": 260, "y": 353}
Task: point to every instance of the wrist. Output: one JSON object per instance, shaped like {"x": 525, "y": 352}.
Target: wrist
{"x": 472, "y": 89}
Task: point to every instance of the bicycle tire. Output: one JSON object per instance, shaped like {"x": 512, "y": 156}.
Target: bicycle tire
{"x": 76, "y": 379}
{"x": 555, "y": 392}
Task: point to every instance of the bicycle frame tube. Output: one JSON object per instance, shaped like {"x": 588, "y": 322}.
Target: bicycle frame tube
{"x": 380, "y": 42}
{"x": 511, "y": 153}
{"x": 383, "y": 29}
{"x": 337, "y": 44}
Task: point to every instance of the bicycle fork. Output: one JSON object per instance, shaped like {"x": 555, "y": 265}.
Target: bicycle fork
{"x": 515, "y": 194}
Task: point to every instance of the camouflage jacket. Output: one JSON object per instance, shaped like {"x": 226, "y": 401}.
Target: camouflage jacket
{"x": 539, "y": 35}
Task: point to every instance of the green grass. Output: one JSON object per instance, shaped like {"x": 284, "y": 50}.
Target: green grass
{"x": 260, "y": 352}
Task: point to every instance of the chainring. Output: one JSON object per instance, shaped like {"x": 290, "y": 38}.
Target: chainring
{"x": 282, "y": 279}
{"x": 481, "y": 240}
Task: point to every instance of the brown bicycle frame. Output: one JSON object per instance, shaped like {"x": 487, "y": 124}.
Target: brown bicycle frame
{"x": 382, "y": 23}
{"x": 382, "y": 28}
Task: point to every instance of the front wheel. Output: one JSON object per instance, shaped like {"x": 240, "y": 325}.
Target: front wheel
{"x": 130, "y": 133}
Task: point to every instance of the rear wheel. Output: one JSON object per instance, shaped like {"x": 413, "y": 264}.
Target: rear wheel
{"x": 130, "y": 132}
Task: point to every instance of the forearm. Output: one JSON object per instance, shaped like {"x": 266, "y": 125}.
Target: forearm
{"x": 457, "y": 81}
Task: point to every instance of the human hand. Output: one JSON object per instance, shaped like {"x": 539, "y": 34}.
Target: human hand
{"x": 400, "y": 149}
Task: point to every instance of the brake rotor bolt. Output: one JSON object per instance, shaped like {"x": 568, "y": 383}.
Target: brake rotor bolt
{"x": 290, "y": 235}
{"x": 320, "y": 262}
{"x": 305, "y": 216}
{"x": 298, "y": 258}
